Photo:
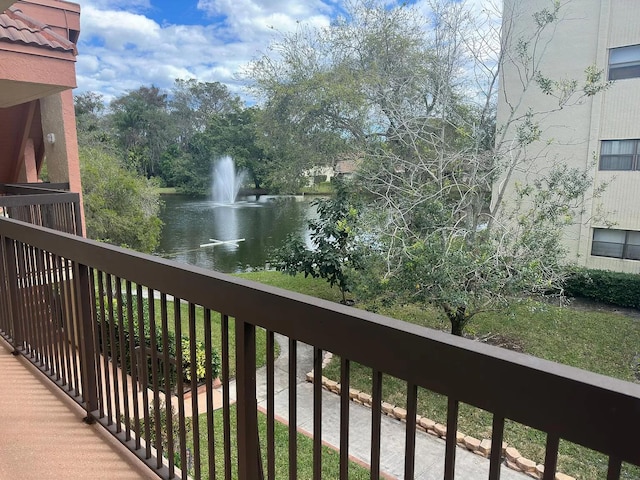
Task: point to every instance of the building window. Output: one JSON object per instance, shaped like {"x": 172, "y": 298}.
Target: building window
{"x": 620, "y": 155}
{"x": 616, "y": 243}
{"x": 624, "y": 62}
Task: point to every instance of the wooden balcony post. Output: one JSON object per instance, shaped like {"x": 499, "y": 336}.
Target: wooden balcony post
{"x": 249, "y": 460}
{"x": 86, "y": 343}
{"x": 12, "y": 283}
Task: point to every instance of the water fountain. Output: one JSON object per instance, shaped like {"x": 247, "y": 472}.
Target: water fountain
{"x": 226, "y": 181}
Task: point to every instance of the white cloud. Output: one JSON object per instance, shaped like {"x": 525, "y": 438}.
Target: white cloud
{"x": 122, "y": 48}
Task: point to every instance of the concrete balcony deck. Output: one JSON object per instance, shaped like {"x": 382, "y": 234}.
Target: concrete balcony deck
{"x": 42, "y": 434}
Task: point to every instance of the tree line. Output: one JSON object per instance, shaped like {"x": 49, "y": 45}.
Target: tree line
{"x": 409, "y": 96}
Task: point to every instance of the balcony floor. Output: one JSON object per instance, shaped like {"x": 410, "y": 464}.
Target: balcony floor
{"x": 42, "y": 434}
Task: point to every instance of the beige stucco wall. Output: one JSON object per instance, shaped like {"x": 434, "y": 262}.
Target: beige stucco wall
{"x": 587, "y": 29}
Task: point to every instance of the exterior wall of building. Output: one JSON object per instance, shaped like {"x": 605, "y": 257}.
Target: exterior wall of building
{"x": 573, "y": 135}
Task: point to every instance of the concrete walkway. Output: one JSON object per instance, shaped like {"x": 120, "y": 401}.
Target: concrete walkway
{"x": 42, "y": 434}
{"x": 429, "y": 450}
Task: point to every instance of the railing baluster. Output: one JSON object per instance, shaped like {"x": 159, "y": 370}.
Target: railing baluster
{"x": 293, "y": 409}
{"x": 166, "y": 363}
{"x": 195, "y": 421}
{"x": 65, "y": 361}
{"x": 410, "y": 444}
{"x": 5, "y": 312}
{"x": 87, "y": 342}
{"x": 144, "y": 369}
{"x": 124, "y": 370}
{"x": 271, "y": 441}
{"x": 249, "y": 461}
{"x": 153, "y": 335}
{"x": 45, "y": 298}
{"x": 134, "y": 363}
{"x": 31, "y": 318}
{"x": 72, "y": 328}
{"x": 182, "y": 430}
{"x": 551, "y": 457}
{"x": 103, "y": 346}
{"x": 113, "y": 353}
{"x": 94, "y": 300}
{"x": 208, "y": 348}
{"x": 614, "y": 468}
{"x": 376, "y": 418}
{"x": 25, "y": 317}
{"x": 317, "y": 413}
{"x": 226, "y": 401}
{"x": 38, "y": 316}
{"x": 53, "y": 314}
{"x": 12, "y": 285}
{"x": 39, "y": 286}
{"x": 344, "y": 417}
{"x": 497, "y": 434}
{"x": 452, "y": 428}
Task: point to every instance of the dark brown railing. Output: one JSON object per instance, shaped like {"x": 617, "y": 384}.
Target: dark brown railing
{"x": 69, "y": 304}
{"x": 45, "y": 204}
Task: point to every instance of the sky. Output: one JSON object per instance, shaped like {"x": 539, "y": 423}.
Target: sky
{"x": 128, "y": 43}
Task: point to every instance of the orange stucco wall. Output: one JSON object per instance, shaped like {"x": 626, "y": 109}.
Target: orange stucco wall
{"x": 61, "y": 157}
{"x": 23, "y": 64}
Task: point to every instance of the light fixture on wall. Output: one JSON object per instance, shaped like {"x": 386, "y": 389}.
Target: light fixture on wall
{"x": 51, "y": 138}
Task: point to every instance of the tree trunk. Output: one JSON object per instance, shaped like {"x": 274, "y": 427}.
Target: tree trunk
{"x": 458, "y": 319}
{"x": 457, "y": 327}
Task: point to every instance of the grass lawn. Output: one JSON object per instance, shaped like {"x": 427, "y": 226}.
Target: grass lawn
{"x": 166, "y": 190}
{"x": 605, "y": 342}
{"x": 324, "y": 188}
{"x": 330, "y": 457}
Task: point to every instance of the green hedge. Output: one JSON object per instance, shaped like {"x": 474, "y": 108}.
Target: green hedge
{"x": 615, "y": 288}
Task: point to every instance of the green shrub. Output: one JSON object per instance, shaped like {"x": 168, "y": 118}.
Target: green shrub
{"x": 615, "y": 288}
{"x": 114, "y": 351}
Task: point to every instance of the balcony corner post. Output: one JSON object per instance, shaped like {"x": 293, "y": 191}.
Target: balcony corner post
{"x": 86, "y": 341}
{"x": 249, "y": 459}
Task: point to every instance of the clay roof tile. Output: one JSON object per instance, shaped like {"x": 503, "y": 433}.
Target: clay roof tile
{"x": 16, "y": 27}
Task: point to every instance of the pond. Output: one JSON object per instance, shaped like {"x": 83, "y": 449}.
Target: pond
{"x": 259, "y": 226}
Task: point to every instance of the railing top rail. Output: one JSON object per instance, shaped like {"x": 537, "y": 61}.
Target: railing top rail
{"x": 44, "y": 198}
{"x": 33, "y": 188}
{"x": 593, "y": 410}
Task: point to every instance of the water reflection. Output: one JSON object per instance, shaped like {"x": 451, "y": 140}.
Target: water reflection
{"x": 264, "y": 224}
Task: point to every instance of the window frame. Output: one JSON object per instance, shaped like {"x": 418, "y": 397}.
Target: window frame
{"x": 635, "y": 156}
{"x": 625, "y": 69}
{"x": 627, "y": 246}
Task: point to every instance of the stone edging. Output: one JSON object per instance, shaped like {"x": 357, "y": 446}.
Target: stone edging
{"x": 512, "y": 457}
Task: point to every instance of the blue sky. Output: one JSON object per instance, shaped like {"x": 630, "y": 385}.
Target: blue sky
{"x": 128, "y": 43}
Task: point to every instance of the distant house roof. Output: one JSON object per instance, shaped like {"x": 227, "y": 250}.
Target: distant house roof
{"x": 345, "y": 167}
{"x": 16, "y": 27}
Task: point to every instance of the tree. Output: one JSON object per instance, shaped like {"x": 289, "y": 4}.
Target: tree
{"x": 194, "y": 104}
{"x": 335, "y": 251}
{"x": 446, "y": 244}
{"x": 415, "y": 96}
{"x": 142, "y": 127}
{"x": 120, "y": 206}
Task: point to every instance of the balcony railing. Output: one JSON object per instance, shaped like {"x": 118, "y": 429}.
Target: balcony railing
{"x": 70, "y": 304}
{"x": 45, "y": 204}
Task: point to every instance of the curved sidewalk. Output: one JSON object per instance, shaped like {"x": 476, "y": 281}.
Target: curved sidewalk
{"x": 429, "y": 450}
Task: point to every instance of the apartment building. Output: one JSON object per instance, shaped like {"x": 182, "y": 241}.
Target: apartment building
{"x": 601, "y": 133}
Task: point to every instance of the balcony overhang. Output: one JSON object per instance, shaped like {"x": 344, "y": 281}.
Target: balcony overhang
{"x": 24, "y": 78}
